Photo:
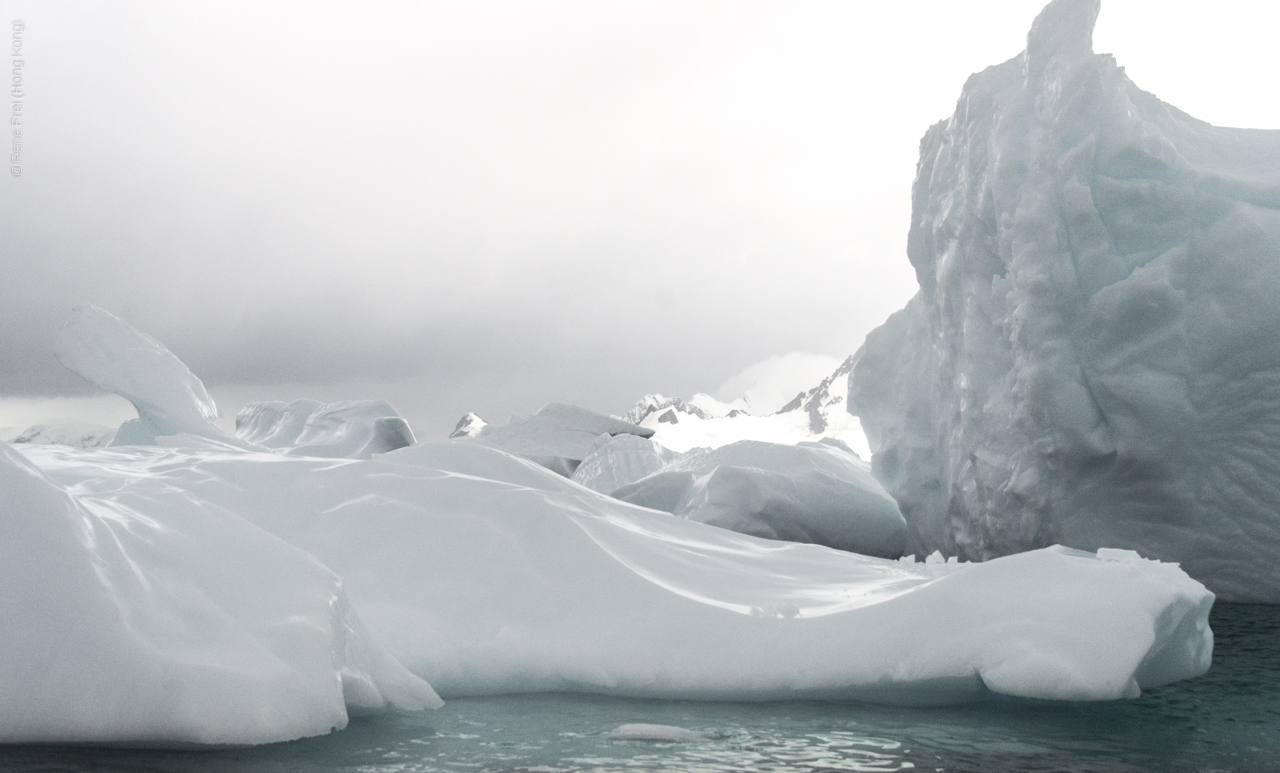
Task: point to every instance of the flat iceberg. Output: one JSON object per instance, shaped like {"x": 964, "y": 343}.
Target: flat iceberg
{"x": 128, "y": 621}
{"x": 111, "y": 353}
{"x": 808, "y": 492}
{"x": 558, "y": 436}
{"x": 355, "y": 429}
{"x": 482, "y": 573}
{"x": 1091, "y": 358}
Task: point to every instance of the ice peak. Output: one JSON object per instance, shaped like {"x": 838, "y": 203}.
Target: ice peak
{"x": 1063, "y": 30}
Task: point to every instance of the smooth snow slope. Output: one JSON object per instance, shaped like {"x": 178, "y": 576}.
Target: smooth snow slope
{"x": 485, "y": 573}
{"x": 1092, "y": 358}
{"x": 128, "y": 619}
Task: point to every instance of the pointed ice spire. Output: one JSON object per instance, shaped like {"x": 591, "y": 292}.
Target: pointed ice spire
{"x": 1063, "y": 30}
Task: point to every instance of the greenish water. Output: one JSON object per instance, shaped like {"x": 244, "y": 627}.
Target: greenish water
{"x": 1228, "y": 720}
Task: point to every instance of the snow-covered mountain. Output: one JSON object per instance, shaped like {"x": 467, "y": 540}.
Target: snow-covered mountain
{"x": 77, "y": 435}
{"x": 468, "y": 426}
{"x": 826, "y": 402}
{"x": 703, "y": 421}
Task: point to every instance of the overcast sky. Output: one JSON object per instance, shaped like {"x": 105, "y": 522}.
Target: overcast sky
{"x": 488, "y": 206}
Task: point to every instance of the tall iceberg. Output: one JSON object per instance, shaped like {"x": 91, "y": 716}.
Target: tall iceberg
{"x": 1092, "y": 356}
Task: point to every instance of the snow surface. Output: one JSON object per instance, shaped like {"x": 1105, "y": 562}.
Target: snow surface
{"x": 484, "y": 573}
{"x": 1091, "y": 358}
{"x": 79, "y": 435}
{"x": 109, "y": 352}
{"x": 809, "y": 492}
{"x": 127, "y": 619}
{"x": 354, "y": 429}
{"x": 558, "y": 436}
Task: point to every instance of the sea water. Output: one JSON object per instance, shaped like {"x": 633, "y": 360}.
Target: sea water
{"x": 1227, "y": 720}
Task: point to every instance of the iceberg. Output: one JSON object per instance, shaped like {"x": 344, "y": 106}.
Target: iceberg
{"x": 482, "y": 572}
{"x": 558, "y": 436}
{"x": 128, "y": 621}
{"x": 110, "y": 353}
{"x": 617, "y": 460}
{"x": 1090, "y": 359}
{"x": 354, "y": 429}
{"x": 808, "y": 492}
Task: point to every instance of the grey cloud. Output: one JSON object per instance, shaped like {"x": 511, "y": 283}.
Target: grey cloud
{"x": 477, "y": 206}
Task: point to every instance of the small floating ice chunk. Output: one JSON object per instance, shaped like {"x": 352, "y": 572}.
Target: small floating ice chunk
{"x": 662, "y": 733}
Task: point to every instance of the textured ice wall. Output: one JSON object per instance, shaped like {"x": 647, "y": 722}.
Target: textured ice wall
{"x": 1092, "y": 358}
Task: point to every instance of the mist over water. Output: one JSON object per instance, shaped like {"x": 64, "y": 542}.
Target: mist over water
{"x": 1226, "y": 720}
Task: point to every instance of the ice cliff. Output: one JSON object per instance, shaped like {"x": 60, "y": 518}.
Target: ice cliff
{"x": 1092, "y": 357}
